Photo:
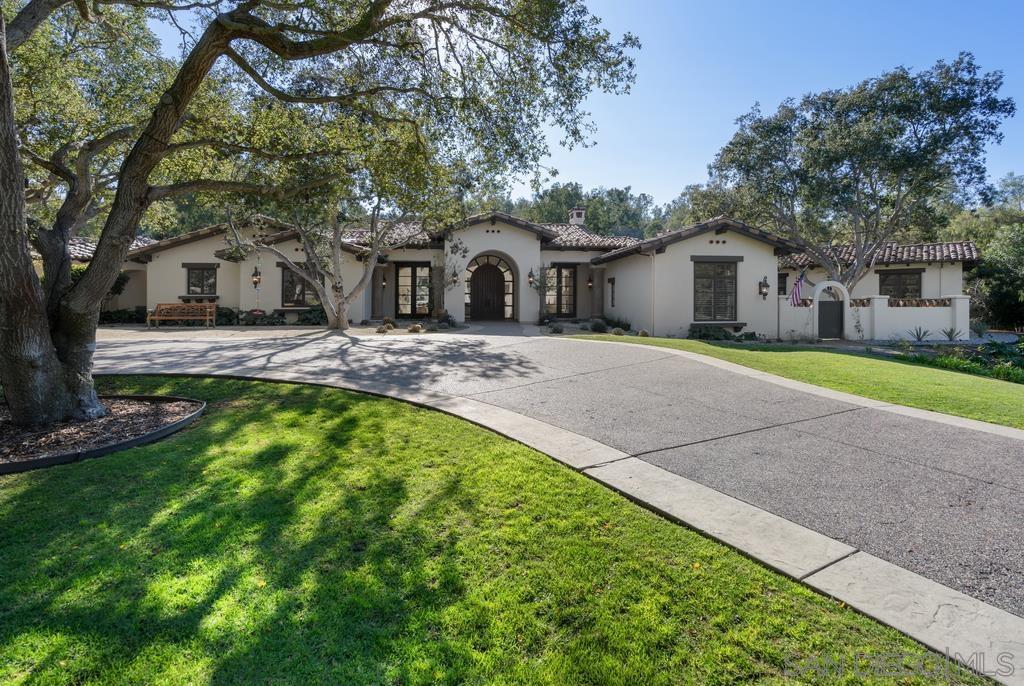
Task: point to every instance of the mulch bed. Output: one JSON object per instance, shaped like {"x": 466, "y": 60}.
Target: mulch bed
{"x": 126, "y": 419}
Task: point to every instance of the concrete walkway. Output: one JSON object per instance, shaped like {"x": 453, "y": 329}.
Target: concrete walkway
{"x": 850, "y": 484}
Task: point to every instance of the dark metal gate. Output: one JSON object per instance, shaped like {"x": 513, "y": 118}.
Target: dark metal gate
{"x": 830, "y": 318}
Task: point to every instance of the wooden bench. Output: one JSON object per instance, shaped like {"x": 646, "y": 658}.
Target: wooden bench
{"x": 202, "y": 312}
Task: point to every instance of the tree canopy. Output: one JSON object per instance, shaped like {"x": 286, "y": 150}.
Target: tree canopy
{"x": 861, "y": 164}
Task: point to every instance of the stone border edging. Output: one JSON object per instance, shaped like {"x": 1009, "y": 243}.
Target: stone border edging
{"x": 821, "y": 391}
{"x": 947, "y": 621}
{"x": 79, "y": 455}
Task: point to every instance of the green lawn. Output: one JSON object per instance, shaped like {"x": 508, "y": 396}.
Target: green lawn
{"x": 298, "y": 534}
{"x": 904, "y": 383}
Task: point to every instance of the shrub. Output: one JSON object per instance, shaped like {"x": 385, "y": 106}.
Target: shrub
{"x": 432, "y": 326}
{"x": 123, "y": 317}
{"x": 618, "y": 332}
{"x": 227, "y": 316}
{"x": 584, "y": 327}
{"x": 314, "y": 316}
{"x": 643, "y": 332}
{"x": 919, "y": 334}
{"x": 443, "y": 325}
{"x": 383, "y": 328}
{"x": 709, "y": 332}
{"x": 449, "y": 320}
{"x": 617, "y": 323}
{"x": 261, "y": 318}
{"x": 979, "y": 328}
{"x": 747, "y": 336}
{"x": 415, "y": 328}
{"x": 389, "y": 320}
{"x": 389, "y": 325}
{"x": 598, "y": 326}
{"x": 364, "y": 322}
{"x": 556, "y": 328}
{"x": 952, "y": 333}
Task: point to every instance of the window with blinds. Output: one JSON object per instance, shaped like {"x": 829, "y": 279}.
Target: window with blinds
{"x": 714, "y": 291}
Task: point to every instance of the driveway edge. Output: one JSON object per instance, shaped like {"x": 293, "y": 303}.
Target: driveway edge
{"x": 975, "y": 634}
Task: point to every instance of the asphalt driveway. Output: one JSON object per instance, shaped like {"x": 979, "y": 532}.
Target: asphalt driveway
{"x": 942, "y": 501}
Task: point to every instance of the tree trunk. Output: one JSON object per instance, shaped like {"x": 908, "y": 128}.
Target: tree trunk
{"x": 36, "y": 381}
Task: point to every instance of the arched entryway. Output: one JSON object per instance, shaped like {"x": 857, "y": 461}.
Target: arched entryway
{"x": 490, "y": 289}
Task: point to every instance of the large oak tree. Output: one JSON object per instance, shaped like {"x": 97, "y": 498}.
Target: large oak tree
{"x": 860, "y": 165}
{"x": 473, "y": 81}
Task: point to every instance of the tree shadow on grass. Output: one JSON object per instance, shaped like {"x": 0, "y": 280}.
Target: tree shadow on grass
{"x": 294, "y": 556}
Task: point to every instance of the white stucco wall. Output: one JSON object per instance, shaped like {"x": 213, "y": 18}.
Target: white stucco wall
{"x": 165, "y": 277}
{"x": 134, "y": 293}
{"x": 667, "y": 308}
{"x": 519, "y": 247}
{"x": 937, "y": 281}
{"x": 632, "y": 290}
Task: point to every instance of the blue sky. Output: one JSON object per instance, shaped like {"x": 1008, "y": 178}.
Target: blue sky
{"x": 705, "y": 63}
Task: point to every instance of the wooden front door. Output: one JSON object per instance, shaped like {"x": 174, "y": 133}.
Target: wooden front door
{"x": 830, "y": 318}
{"x": 487, "y": 293}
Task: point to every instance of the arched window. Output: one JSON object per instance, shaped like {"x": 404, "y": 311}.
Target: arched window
{"x": 506, "y": 307}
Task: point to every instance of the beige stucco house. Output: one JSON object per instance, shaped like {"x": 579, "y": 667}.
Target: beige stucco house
{"x": 721, "y": 272}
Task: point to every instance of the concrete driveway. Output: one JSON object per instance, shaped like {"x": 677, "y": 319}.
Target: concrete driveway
{"x": 943, "y": 501}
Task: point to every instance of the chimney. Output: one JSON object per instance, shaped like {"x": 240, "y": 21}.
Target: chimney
{"x": 578, "y": 216}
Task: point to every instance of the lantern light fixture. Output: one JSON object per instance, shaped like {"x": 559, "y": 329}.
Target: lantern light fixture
{"x": 530, "y": 277}
{"x": 257, "y": 278}
{"x": 763, "y": 288}
{"x": 590, "y": 282}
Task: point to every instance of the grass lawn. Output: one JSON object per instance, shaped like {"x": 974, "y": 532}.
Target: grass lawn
{"x": 904, "y": 383}
{"x": 306, "y": 535}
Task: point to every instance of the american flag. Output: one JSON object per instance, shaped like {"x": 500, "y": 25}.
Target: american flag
{"x": 794, "y": 295}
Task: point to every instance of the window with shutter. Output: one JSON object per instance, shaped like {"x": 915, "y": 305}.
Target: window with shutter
{"x": 714, "y": 291}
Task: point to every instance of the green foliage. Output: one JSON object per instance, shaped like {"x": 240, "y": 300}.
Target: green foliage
{"x": 555, "y": 327}
{"x": 919, "y": 333}
{"x": 314, "y": 316}
{"x": 126, "y": 316}
{"x": 1001, "y": 271}
{"x": 862, "y": 164}
{"x": 979, "y": 328}
{"x": 952, "y": 333}
{"x": 262, "y": 318}
{"x": 618, "y": 332}
{"x": 609, "y": 211}
{"x": 710, "y": 332}
{"x": 298, "y": 534}
{"x": 598, "y": 326}
{"x": 616, "y": 323}
{"x": 226, "y": 316}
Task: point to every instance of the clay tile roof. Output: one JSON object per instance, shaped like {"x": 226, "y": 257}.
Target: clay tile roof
{"x": 82, "y": 249}
{"x": 894, "y": 253}
{"x": 576, "y": 237}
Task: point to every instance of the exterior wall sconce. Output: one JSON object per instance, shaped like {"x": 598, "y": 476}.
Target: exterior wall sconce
{"x": 383, "y": 282}
{"x": 530, "y": 278}
{"x": 257, "y": 278}
{"x": 763, "y": 288}
{"x": 453, "y": 277}
{"x": 590, "y": 282}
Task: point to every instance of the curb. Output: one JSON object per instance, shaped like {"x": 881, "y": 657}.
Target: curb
{"x": 953, "y": 624}
{"x": 78, "y": 455}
